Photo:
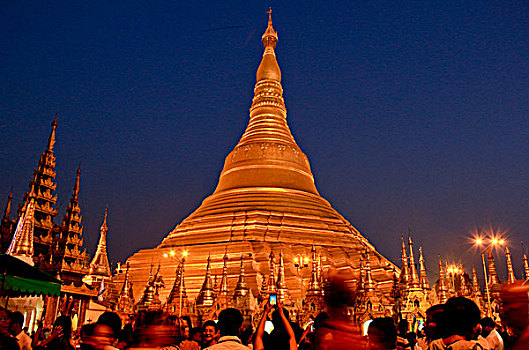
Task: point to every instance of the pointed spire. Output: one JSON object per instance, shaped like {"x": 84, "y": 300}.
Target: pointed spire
{"x": 463, "y": 288}
{"x": 414, "y": 280}
{"x": 493, "y": 273}
{"x": 22, "y": 243}
{"x": 369, "y": 284}
{"x": 241, "y": 289}
{"x": 395, "y": 289}
{"x": 223, "y": 290}
{"x": 283, "y": 296}
{"x": 173, "y": 300}
{"x": 314, "y": 284}
{"x": 525, "y": 266}
{"x": 441, "y": 287}
{"x": 148, "y": 293}
{"x": 510, "y": 272}
{"x": 267, "y": 154}
{"x": 404, "y": 277}
{"x": 361, "y": 276}
{"x": 51, "y": 139}
{"x": 269, "y": 69}
{"x": 99, "y": 265}
{"x": 7, "y": 211}
{"x": 476, "y": 290}
{"x": 125, "y": 301}
{"x": 425, "y": 285}
{"x": 206, "y": 295}
{"x": 76, "y": 186}
{"x": 271, "y": 277}
{"x": 320, "y": 271}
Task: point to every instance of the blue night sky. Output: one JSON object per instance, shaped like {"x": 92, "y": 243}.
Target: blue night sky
{"x": 414, "y": 115}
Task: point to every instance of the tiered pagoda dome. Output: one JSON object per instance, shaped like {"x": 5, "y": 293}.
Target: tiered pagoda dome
{"x": 265, "y": 201}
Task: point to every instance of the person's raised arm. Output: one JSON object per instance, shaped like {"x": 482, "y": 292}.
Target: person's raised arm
{"x": 293, "y": 345}
{"x": 258, "y": 339}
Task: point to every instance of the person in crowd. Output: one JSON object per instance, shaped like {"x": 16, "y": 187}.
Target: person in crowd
{"x": 285, "y": 337}
{"x": 402, "y": 331}
{"x": 103, "y": 337}
{"x": 153, "y": 332}
{"x": 230, "y": 323}
{"x": 17, "y": 321}
{"x": 490, "y": 333}
{"x": 432, "y": 328}
{"x": 85, "y": 336}
{"x": 382, "y": 334}
{"x": 185, "y": 331}
{"x": 515, "y": 313}
{"x": 7, "y": 341}
{"x": 458, "y": 326}
{"x": 126, "y": 337}
{"x": 196, "y": 334}
{"x": 282, "y": 337}
{"x": 60, "y": 338}
{"x": 113, "y": 321}
{"x": 338, "y": 331}
{"x": 209, "y": 334}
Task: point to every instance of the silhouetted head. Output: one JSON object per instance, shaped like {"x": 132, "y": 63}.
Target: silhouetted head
{"x": 112, "y": 320}
{"x": 461, "y": 316}
{"x": 382, "y": 333}
{"x": 230, "y": 322}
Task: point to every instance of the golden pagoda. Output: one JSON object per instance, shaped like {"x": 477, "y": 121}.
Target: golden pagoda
{"x": 265, "y": 204}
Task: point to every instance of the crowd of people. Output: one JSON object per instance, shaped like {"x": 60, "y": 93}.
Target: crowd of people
{"x": 455, "y": 325}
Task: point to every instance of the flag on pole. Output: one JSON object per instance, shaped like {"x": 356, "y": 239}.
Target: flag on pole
{"x": 101, "y": 291}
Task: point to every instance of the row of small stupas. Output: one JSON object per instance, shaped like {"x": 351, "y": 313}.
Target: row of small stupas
{"x": 411, "y": 295}
{"x": 33, "y": 236}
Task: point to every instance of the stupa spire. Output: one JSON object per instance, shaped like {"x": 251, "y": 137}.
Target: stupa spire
{"x": 314, "y": 284}
{"x": 369, "y": 284}
{"x": 476, "y": 290}
{"x": 423, "y": 278}
{"x": 125, "y": 300}
{"x": 271, "y": 277}
{"x": 267, "y": 155}
{"x": 22, "y": 243}
{"x": 404, "y": 277}
{"x": 7, "y": 210}
{"x": 441, "y": 287}
{"x": 493, "y": 273}
{"x": 99, "y": 265}
{"x": 525, "y": 266}
{"x": 223, "y": 290}
{"x": 361, "y": 276}
{"x": 463, "y": 288}
{"x": 51, "y": 139}
{"x": 283, "y": 295}
{"x": 414, "y": 279}
{"x": 241, "y": 289}
{"x": 206, "y": 296}
{"x": 510, "y": 271}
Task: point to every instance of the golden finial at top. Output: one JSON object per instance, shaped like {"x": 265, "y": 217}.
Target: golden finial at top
{"x": 270, "y": 36}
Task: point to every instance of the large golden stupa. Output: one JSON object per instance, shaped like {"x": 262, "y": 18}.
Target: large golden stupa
{"x": 265, "y": 201}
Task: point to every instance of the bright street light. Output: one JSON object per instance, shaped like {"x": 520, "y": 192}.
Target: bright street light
{"x": 492, "y": 242}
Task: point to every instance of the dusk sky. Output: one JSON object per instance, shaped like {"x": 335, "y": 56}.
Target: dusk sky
{"x": 414, "y": 115}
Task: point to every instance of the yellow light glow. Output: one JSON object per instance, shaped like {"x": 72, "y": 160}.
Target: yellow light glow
{"x": 306, "y": 259}
{"x": 296, "y": 259}
{"x": 494, "y": 241}
{"x": 479, "y": 241}
{"x": 172, "y": 253}
{"x": 502, "y": 241}
{"x": 184, "y": 253}
{"x": 165, "y": 255}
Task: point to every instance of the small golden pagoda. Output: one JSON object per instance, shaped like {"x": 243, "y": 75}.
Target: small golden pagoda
{"x": 265, "y": 204}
